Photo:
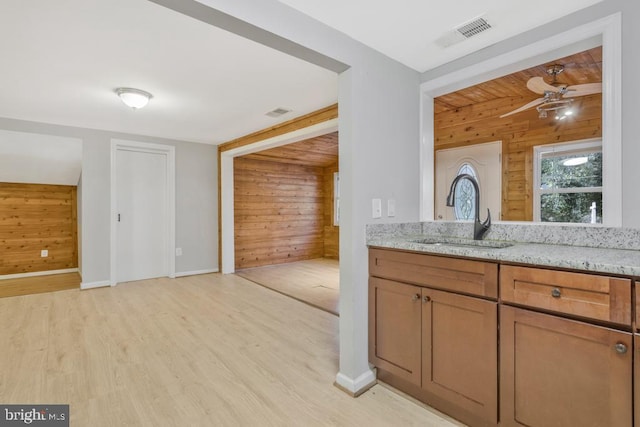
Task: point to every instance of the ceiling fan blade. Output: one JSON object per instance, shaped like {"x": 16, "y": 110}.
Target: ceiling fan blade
{"x": 531, "y": 104}
{"x": 583, "y": 89}
{"x": 539, "y": 86}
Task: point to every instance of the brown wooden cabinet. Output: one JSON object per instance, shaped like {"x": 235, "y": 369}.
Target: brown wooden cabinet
{"x": 568, "y": 353}
{"x": 441, "y": 347}
{"x": 459, "y": 351}
{"x": 394, "y": 331}
{"x": 561, "y": 372}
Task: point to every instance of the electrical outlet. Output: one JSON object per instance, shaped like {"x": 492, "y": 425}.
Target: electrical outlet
{"x": 44, "y": 253}
{"x": 178, "y": 251}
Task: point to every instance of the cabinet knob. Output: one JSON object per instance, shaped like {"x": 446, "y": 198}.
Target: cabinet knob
{"x": 555, "y": 292}
{"x": 621, "y": 348}
{"x": 416, "y": 297}
{"x": 426, "y": 298}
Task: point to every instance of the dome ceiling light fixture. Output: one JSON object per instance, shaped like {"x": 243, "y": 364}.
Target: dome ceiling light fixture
{"x": 134, "y": 98}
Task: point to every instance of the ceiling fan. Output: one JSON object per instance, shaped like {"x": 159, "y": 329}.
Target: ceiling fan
{"x": 555, "y": 96}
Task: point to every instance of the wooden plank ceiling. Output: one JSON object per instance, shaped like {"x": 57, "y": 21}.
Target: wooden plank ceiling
{"x": 320, "y": 151}
{"x": 583, "y": 67}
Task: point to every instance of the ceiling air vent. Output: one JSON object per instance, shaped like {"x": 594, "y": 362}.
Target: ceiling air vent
{"x": 278, "y": 112}
{"x": 463, "y": 32}
{"x": 474, "y": 27}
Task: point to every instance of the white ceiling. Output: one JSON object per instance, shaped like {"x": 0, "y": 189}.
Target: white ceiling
{"x": 62, "y": 60}
{"x": 407, "y": 30}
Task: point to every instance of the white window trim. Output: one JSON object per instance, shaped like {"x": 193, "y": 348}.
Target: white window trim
{"x": 539, "y": 151}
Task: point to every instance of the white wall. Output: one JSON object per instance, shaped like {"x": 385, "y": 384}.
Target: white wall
{"x": 379, "y": 132}
{"x": 196, "y": 198}
{"x": 630, "y": 84}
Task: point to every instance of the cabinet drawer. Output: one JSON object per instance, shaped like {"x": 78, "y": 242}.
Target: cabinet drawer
{"x": 597, "y": 297}
{"x": 451, "y": 274}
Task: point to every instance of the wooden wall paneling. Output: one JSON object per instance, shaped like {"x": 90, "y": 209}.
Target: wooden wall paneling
{"x": 519, "y": 134}
{"x": 264, "y": 192}
{"x": 472, "y": 116}
{"x": 315, "y": 117}
{"x": 331, "y": 232}
{"x": 35, "y": 217}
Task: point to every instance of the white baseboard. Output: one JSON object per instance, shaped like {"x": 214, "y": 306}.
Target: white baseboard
{"x": 38, "y": 273}
{"x": 91, "y": 285}
{"x": 196, "y": 272}
{"x": 358, "y": 385}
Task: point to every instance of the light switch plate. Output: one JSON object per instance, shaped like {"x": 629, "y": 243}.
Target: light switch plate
{"x": 391, "y": 207}
{"x": 44, "y": 253}
{"x": 376, "y": 208}
{"x": 178, "y": 251}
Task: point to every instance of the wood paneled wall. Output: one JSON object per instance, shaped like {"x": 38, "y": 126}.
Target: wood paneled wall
{"x": 279, "y": 212}
{"x": 35, "y": 217}
{"x": 519, "y": 133}
{"x": 331, "y": 232}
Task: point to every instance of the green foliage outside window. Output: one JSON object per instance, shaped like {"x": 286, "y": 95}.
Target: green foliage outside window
{"x": 559, "y": 206}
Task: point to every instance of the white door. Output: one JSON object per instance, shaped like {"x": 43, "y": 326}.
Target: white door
{"x": 485, "y": 160}
{"x": 141, "y": 206}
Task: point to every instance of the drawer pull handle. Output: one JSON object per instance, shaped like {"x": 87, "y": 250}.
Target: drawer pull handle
{"x": 426, "y": 298}
{"x": 620, "y": 348}
{"x": 415, "y": 297}
{"x": 555, "y": 292}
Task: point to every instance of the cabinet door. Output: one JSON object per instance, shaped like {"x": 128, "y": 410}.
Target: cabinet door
{"x": 560, "y": 372}
{"x": 460, "y": 351}
{"x": 394, "y": 333}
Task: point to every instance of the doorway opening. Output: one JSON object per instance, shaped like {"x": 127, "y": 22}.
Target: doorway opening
{"x": 314, "y": 260}
{"x": 605, "y": 33}
{"x": 286, "y": 233}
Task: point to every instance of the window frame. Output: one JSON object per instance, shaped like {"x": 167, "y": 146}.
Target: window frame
{"x": 564, "y": 148}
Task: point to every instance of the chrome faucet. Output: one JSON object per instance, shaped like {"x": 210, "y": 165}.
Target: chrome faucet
{"x": 479, "y": 228}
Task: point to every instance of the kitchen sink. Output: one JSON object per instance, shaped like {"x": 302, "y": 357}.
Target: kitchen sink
{"x": 456, "y": 241}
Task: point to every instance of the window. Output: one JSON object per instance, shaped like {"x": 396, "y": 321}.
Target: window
{"x": 568, "y": 182}
{"x": 465, "y": 203}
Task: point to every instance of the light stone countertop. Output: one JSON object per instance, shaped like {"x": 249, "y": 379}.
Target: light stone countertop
{"x": 601, "y": 259}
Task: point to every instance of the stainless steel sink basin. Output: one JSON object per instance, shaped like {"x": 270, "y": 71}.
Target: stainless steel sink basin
{"x": 456, "y": 241}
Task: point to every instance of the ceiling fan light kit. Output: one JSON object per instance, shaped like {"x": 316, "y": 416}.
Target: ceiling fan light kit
{"x": 553, "y": 95}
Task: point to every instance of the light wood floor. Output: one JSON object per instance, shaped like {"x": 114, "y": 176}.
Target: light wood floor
{"x": 315, "y": 282}
{"x": 38, "y": 284}
{"x": 202, "y": 351}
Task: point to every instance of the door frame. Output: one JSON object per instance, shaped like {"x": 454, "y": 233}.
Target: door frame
{"x": 169, "y": 152}
{"x": 227, "y": 235}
